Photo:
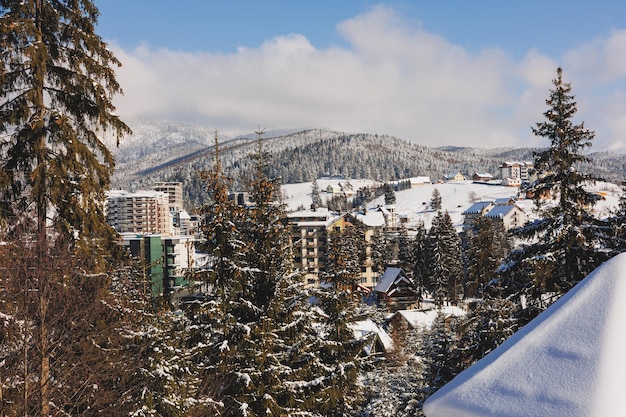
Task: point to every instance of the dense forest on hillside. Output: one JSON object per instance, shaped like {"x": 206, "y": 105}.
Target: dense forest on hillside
{"x": 164, "y": 151}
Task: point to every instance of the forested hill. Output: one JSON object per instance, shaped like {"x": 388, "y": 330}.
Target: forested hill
{"x": 165, "y": 151}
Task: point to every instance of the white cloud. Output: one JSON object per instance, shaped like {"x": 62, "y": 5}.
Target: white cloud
{"x": 393, "y": 77}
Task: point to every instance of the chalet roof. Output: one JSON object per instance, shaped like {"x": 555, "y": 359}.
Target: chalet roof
{"x": 499, "y": 212}
{"x": 568, "y": 361}
{"x": 389, "y": 278}
{"x": 504, "y": 201}
{"x": 418, "y": 319}
{"x": 478, "y": 207}
{"x": 373, "y": 218}
{"x": 365, "y": 328}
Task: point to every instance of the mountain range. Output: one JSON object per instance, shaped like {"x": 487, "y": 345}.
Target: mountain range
{"x": 172, "y": 151}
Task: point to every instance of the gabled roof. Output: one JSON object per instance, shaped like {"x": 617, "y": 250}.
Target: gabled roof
{"x": 365, "y": 328}
{"x": 478, "y": 207}
{"x": 569, "y": 361}
{"x": 391, "y": 276}
{"x": 418, "y": 319}
{"x": 499, "y": 212}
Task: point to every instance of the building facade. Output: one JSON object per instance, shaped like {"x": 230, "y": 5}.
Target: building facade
{"x": 140, "y": 212}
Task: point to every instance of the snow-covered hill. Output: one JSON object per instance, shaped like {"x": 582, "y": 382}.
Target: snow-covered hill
{"x": 455, "y": 198}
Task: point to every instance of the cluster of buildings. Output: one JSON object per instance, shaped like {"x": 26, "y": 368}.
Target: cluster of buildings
{"x": 156, "y": 229}
{"x": 154, "y": 226}
{"x": 512, "y": 174}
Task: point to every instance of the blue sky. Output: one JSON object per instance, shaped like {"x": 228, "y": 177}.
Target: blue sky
{"x": 432, "y": 72}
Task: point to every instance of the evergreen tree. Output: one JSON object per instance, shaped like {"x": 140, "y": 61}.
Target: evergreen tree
{"x": 562, "y": 247}
{"x": 435, "y": 200}
{"x": 390, "y": 194}
{"x": 421, "y": 267}
{"x": 316, "y": 199}
{"x": 56, "y": 94}
{"x": 445, "y": 252}
{"x": 484, "y": 256}
{"x": 405, "y": 252}
{"x": 345, "y": 254}
{"x": 378, "y": 252}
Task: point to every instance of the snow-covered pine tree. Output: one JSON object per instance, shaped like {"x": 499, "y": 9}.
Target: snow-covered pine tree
{"x": 405, "y": 252}
{"x": 217, "y": 328}
{"x": 316, "y": 198}
{"x": 158, "y": 378}
{"x": 435, "y": 200}
{"x": 484, "y": 256}
{"x": 445, "y": 252}
{"x": 564, "y": 244}
{"x": 421, "y": 266}
{"x": 56, "y": 104}
{"x": 378, "y": 252}
{"x": 390, "y": 194}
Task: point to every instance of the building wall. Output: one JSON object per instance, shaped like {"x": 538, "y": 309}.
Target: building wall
{"x": 141, "y": 212}
{"x": 174, "y": 192}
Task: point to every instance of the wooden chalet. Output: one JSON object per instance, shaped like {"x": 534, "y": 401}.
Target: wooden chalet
{"x": 396, "y": 290}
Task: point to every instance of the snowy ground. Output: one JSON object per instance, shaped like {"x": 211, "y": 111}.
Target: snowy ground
{"x": 455, "y": 198}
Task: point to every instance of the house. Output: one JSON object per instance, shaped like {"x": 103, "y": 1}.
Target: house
{"x": 455, "y": 176}
{"x": 424, "y": 319}
{"x": 484, "y": 176}
{"x": 511, "y": 215}
{"x": 377, "y": 341}
{"x": 512, "y": 182}
{"x": 396, "y": 290}
{"x": 419, "y": 181}
{"x": 504, "y": 201}
{"x": 476, "y": 210}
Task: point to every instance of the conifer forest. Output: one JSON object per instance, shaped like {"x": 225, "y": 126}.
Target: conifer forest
{"x": 82, "y": 335}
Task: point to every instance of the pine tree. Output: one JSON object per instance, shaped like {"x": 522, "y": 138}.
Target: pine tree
{"x": 345, "y": 254}
{"x": 405, "y": 252}
{"x": 445, "y": 252}
{"x": 435, "y": 200}
{"x": 484, "y": 256}
{"x": 421, "y": 267}
{"x": 390, "y": 194}
{"x": 56, "y": 94}
{"x": 560, "y": 248}
{"x": 316, "y": 199}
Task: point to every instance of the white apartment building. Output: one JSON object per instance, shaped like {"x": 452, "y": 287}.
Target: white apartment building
{"x": 174, "y": 191}
{"x": 140, "y": 212}
{"x": 515, "y": 170}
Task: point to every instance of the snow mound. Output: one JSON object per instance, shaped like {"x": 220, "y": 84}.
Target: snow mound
{"x": 569, "y": 361}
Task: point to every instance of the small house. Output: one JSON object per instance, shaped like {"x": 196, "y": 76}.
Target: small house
{"x": 396, "y": 290}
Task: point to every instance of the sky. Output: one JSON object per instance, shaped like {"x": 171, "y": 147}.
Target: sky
{"x": 436, "y": 73}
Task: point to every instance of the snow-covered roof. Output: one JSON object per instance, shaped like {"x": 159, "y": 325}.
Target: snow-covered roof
{"x": 502, "y": 201}
{"x": 499, "y": 212}
{"x": 364, "y": 328}
{"x": 388, "y": 278}
{"x": 478, "y": 207}
{"x": 424, "y": 319}
{"x": 373, "y": 218}
{"x": 569, "y": 361}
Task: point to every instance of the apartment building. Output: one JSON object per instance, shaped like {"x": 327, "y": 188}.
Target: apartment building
{"x": 309, "y": 234}
{"x": 516, "y": 170}
{"x": 174, "y": 192}
{"x": 140, "y": 212}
